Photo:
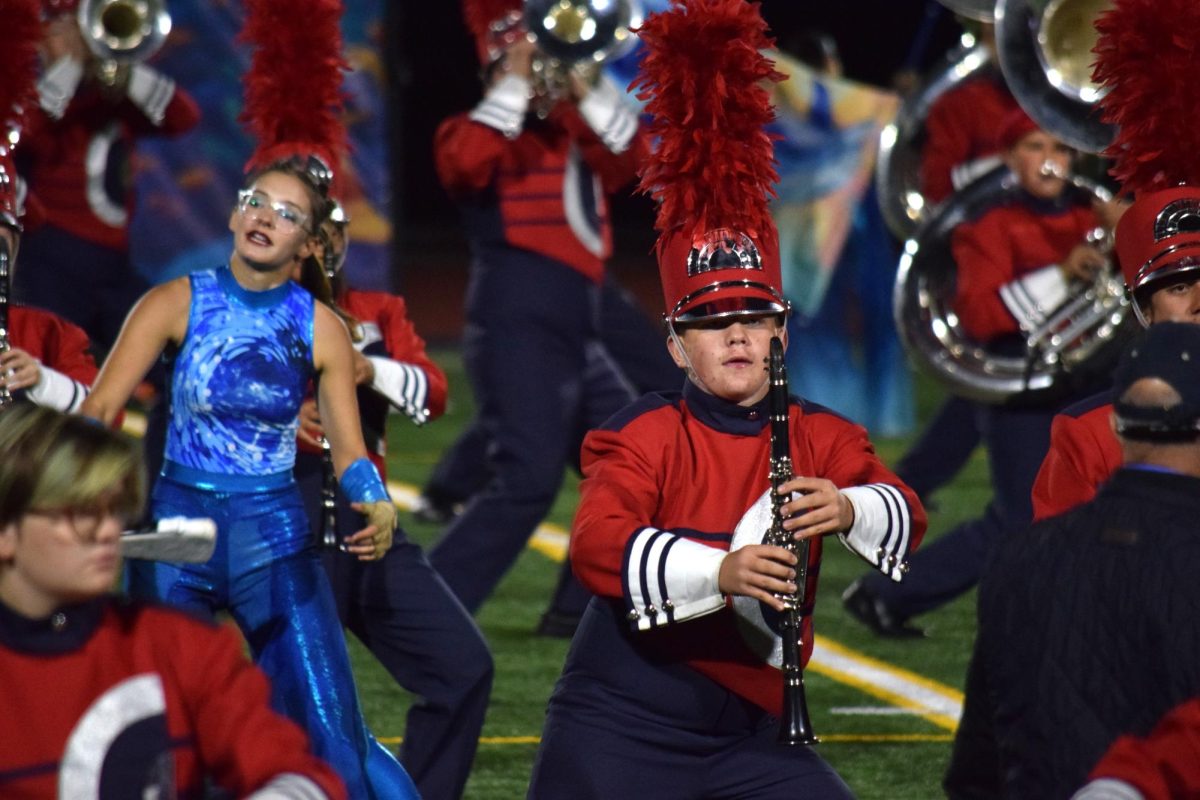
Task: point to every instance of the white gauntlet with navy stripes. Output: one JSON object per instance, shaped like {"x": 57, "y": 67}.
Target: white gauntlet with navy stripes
{"x": 1031, "y": 298}
{"x": 882, "y": 527}
{"x": 405, "y": 386}
{"x": 668, "y": 578}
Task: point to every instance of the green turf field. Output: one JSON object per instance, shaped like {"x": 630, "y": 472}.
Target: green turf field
{"x": 881, "y": 755}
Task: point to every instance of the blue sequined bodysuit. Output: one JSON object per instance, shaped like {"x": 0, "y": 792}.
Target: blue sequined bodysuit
{"x": 239, "y": 380}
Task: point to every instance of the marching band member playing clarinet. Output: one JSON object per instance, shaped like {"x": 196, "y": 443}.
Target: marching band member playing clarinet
{"x": 658, "y": 675}
{"x": 247, "y": 343}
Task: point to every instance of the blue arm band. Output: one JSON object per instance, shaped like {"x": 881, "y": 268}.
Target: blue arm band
{"x": 362, "y": 484}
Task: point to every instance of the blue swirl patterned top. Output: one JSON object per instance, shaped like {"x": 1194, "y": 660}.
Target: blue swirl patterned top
{"x": 238, "y": 383}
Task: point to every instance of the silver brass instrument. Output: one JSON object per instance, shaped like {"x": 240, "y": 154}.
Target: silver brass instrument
{"x": 6, "y": 398}
{"x": 980, "y": 10}
{"x": 1045, "y": 49}
{"x": 1077, "y": 337}
{"x": 901, "y": 144}
{"x": 577, "y": 35}
{"x": 123, "y": 32}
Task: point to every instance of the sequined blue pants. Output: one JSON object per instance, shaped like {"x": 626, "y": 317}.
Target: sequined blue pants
{"x": 267, "y": 574}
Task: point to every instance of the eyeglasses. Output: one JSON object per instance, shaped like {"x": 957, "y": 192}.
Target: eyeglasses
{"x": 84, "y": 522}
{"x": 288, "y": 216}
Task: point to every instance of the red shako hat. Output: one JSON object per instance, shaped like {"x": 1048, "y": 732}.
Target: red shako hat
{"x": 293, "y": 95}
{"x": 1014, "y": 127}
{"x": 1146, "y": 56}
{"x": 712, "y": 172}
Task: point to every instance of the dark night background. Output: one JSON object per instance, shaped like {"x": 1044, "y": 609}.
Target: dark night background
{"x": 435, "y": 74}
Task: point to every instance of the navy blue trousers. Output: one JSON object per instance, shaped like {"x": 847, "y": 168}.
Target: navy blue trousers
{"x": 630, "y": 719}
{"x": 540, "y": 378}
{"x": 943, "y": 447}
{"x": 1016, "y": 440}
{"x": 403, "y": 612}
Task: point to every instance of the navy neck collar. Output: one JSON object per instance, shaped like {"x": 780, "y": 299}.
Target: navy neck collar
{"x": 247, "y": 297}
{"x": 1047, "y": 206}
{"x": 723, "y": 415}
{"x": 67, "y": 629}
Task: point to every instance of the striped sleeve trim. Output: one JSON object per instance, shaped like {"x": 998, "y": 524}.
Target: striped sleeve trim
{"x": 58, "y": 391}
{"x": 404, "y": 385}
{"x": 669, "y": 579}
{"x": 612, "y": 119}
{"x": 882, "y": 527}
{"x": 503, "y": 107}
{"x": 57, "y": 86}
{"x": 151, "y": 91}
{"x": 1108, "y": 789}
{"x": 1031, "y": 298}
{"x": 290, "y": 786}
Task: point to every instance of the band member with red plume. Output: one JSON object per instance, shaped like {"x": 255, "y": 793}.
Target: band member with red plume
{"x": 398, "y": 606}
{"x": 84, "y": 125}
{"x": 658, "y": 675}
{"x": 104, "y": 696}
{"x": 45, "y": 360}
{"x": 530, "y": 171}
{"x": 247, "y": 343}
{"x": 1014, "y": 265}
{"x": 1155, "y": 156}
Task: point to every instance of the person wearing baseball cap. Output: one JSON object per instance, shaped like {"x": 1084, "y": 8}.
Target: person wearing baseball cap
{"x": 1089, "y": 616}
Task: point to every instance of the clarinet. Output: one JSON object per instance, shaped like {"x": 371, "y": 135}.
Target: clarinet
{"x": 6, "y": 398}
{"x": 794, "y": 726}
{"x": 329, "y": 537}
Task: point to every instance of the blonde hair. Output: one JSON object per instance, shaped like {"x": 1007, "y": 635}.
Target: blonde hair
{"x": 55, "y": 461}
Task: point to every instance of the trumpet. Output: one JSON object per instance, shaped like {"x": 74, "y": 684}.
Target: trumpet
{"x": 123, "y": 32}
{"x": 579, "y": 36}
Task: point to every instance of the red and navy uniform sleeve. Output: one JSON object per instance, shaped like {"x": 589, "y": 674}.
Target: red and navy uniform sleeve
{"x": 407, "y": 377}
{"x": 889, "y": 520}
{"x": 244, "y": 743}
{"x": 1083, "y": 454}
{"x": 615, "y": 170}
{"x": 961, "y": 128}
{"x": 467, "y": 155}
{"x": 1164, "y": 765}
{"x": 1006, "y": 266}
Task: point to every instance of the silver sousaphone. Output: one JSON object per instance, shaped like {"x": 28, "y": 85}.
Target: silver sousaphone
{"x": 901, "y": 143}
{"x": 1045, "y": 49}
{"x": 1076, "y": 339}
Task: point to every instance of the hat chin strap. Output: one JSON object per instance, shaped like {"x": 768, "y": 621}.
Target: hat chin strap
{"x": 693, "y": 376}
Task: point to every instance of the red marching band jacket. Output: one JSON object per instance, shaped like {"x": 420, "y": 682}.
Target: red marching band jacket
{"x": 999, "y": 253}
{"x": 544, "y": 204}
{"x": 1084, "y": 453}
{"x": 662, "y": 494}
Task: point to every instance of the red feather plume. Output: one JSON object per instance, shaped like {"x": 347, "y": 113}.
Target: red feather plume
{"x": 19, "y": 37}
{"x": 480, "y": 14}
{"x": 1147, "y": 55}
{"x": 703, "y": 79}
{"x": 293, "y": 95}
